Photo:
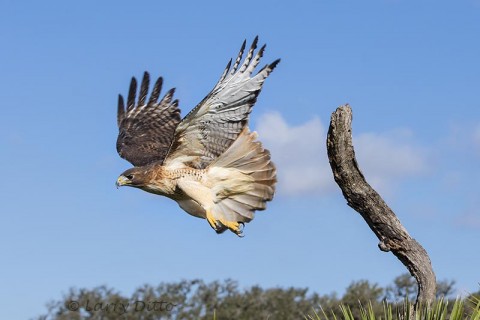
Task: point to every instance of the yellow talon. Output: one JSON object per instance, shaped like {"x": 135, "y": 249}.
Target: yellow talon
{"x": 211, "y": 220}
{"x": 234, "y": 226}
{"x": 220, "y": 225}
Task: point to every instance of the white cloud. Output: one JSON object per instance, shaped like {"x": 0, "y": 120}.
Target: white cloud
{"x": 388, "y": 157}
{"x": 301, "y": 157}
{"x": 299, "y": 153}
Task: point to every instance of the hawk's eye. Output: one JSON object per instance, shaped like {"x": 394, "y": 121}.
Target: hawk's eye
{"x": 129, "y": 176}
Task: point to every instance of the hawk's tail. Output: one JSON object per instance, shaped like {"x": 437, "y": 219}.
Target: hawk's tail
{"x": 245, "y": 180}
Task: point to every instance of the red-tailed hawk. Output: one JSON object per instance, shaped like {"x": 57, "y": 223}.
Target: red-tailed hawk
{"x": 209, "y": 162}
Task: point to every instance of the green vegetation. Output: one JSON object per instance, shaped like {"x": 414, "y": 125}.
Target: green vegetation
{"x": 197, "y": 300}
{"x": 468, "y": 309}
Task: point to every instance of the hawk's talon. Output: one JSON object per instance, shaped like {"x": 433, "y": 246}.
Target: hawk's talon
{"x": 211, "y": 220}
{"x": 234, "y": 226}
{"x": 220, "y": 225}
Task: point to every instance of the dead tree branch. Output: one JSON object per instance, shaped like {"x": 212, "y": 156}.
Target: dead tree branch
{"x": 366, "y": 201}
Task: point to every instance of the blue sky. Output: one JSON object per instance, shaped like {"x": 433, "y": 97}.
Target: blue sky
{"x": 409, "y": 69}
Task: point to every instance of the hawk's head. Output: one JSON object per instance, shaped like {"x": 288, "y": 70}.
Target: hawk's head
{"x": 149, "y": 178}
{"x": 134, "y": 177}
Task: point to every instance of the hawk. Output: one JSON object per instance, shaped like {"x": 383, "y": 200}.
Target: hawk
{"x": 208, "y": 162}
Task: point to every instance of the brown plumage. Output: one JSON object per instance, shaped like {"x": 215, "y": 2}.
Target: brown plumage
{"x": 209, "y": 162}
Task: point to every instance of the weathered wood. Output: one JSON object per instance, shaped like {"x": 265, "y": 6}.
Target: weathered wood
{"x": 366, "y": 201}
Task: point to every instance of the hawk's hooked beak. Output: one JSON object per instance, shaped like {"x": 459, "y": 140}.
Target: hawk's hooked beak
{"x": 121, "y": 181}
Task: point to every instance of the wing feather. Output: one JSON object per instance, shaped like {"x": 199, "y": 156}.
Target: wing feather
{"x": 215, "y": 123}
{"x": 249, "y": 55}
{"x": 144, "y": 89}
{"x": 120, "y": 110}
{"x": 146, "y": 130}
{"x": 239, "y": 58}
{"x": 156, "y": 91}
{"x": 131, "y": 94}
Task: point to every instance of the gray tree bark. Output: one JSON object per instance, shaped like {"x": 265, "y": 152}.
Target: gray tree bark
{"x": 366, "y": 201}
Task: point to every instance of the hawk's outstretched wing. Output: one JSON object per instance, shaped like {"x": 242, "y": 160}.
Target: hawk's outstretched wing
{"x": 215, "y": 123}
{"x": 146, "y": 129}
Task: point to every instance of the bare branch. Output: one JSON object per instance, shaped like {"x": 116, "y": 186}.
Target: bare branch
{"x": 366, "y": 201}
